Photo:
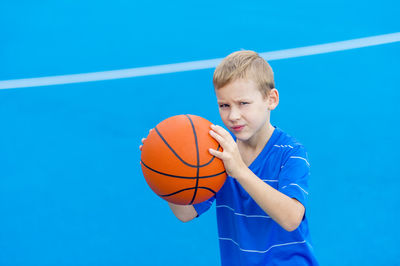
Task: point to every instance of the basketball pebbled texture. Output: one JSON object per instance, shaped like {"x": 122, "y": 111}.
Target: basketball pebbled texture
{"x": 176, "y": 162}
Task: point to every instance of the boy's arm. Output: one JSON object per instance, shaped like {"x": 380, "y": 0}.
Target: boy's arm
{"x": 286, "y": 211}
{"x": 185, "y": 213}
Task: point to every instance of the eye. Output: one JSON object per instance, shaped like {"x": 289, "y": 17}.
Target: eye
{"x": 244, "y": 103}
{"x": 223, "y": 105}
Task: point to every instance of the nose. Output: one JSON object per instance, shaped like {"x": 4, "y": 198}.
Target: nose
{"x": 234, "y": 114}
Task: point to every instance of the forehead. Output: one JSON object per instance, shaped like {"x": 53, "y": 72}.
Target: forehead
{"x": 237, "y": 90}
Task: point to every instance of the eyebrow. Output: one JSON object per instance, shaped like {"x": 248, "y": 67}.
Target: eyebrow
{"x": 239, "y": 100}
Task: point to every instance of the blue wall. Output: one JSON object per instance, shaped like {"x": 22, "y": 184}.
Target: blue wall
{"x": 71, "y": 188}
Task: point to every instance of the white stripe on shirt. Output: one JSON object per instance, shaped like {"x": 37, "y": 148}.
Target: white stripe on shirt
{"x": 297, "y": 157}
{"x": 283, "y": 146}
{"x": 241, "y": 214}
{"x": 270, "y": 180}
{"x": 293, "y": 184}
{"x": 261, "y": 251}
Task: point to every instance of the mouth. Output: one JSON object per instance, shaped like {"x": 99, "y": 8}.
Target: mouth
{"x": 237, "y": 128}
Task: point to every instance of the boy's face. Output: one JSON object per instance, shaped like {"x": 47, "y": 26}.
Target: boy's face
{"x": 244, "y": 110}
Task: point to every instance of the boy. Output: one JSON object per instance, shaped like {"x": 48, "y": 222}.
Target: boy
{"x": 261, "y": 207}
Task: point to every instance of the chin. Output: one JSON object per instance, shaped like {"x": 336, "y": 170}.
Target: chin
{"x": 242, "y": 137}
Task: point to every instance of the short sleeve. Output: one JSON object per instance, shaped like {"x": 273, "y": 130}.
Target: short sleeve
{"x": 203, "y": 206}
{"x": 294, "y": 174}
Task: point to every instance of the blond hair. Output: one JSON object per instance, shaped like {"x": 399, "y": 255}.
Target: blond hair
{"x": 245, "y": 65}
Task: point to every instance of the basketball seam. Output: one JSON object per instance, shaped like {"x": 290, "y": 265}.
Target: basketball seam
{"x": 177, "y": 176}
{"x": 198, "y": 160}
{"x": 179, "y": 191}
{"x": 176, "y": 154}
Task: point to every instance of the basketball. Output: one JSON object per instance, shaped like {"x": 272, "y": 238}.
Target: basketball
{"x": 176, "y": 162}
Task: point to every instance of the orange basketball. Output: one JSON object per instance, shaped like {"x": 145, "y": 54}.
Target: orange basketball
{"x": 176, "y": 162}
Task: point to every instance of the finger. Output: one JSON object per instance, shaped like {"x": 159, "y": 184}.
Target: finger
{"x": 218, "y": 138}
{"x": 224, "y": 134}
{"x": 143, "y": 139}
{"x": 220, "y": 130}
{"x": 140, "y": 147}
{"x": 215, "y": 153}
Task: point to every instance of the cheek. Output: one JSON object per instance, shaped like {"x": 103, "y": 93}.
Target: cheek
{"x": 258, "y": 117}
{"x": 224, "y": 117}
{"x": 223, "y": 114}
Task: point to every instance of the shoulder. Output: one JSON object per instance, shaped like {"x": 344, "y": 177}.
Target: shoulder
{"x": 288, "y": 146}
{"x": 286, "y": 139}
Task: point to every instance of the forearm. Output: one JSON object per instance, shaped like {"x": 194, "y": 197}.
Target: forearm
{"x": 185, "y": 213}
{"x": 286, "y": 211}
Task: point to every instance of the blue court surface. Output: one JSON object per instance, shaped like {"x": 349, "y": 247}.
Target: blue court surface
{"x": 71, "y": 186}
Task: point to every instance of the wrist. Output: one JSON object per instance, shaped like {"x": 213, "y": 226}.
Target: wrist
{"x": 242, "y": 174}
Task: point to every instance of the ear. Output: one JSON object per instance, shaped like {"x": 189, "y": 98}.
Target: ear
{"x": 273, "y": 99}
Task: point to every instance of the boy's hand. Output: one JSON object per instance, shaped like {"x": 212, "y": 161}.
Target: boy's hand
{"x": 143, "y": 139}
{"x": 230, "y": 156}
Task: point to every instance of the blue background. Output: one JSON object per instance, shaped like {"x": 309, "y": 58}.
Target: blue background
{"x": 71, "y": 187}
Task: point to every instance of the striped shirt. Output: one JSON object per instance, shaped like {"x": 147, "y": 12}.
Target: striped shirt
{"x": 247, "y": 235}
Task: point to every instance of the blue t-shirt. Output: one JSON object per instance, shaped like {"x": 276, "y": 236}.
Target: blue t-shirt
{"x": 247, "y": 235}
